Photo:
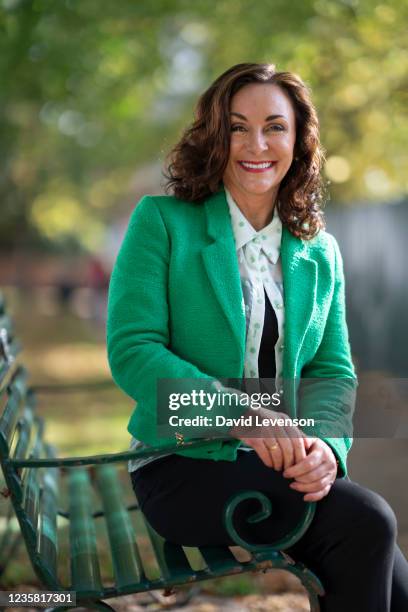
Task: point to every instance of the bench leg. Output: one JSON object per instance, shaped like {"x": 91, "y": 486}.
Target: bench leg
{"x": 310, "y": 583}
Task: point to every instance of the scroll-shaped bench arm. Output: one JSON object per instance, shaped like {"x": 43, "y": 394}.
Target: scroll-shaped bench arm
{"x": 265, "y": 512}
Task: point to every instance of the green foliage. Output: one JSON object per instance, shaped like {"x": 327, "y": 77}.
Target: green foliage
{"x": 89, "y": 95}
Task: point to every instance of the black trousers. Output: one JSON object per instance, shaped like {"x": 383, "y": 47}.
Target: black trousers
{"x": 350, "y": 545}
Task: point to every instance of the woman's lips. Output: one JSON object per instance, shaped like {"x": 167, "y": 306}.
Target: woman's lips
{"x": 260, "y": 169}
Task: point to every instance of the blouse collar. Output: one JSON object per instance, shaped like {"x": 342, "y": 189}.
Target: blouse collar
{"x": 269, "y": 237}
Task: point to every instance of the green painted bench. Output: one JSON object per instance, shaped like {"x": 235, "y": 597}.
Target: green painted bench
{"x": 80, "y": 491}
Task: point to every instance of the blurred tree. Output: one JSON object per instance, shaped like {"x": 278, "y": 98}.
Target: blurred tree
{"x": 89, "y": 95}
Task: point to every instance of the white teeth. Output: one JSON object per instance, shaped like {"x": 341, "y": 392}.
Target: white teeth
{"x": 249, "y": 165}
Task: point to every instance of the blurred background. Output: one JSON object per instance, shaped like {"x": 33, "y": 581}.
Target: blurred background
{"x": 91, "y": 101}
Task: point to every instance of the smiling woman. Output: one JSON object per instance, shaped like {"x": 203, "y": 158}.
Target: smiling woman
{"x": 267, "y": 119}
{"x": 234, "y": 277}
{"x": 261, "y": 149}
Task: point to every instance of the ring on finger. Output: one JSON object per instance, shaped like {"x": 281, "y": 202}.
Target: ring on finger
{"x": 274, "y": 446}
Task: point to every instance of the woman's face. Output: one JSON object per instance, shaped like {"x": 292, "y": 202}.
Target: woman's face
{"x": 263, "y": 129}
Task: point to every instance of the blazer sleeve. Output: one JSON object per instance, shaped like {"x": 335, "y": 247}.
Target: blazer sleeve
{"x": 138, "y": 316}
{"x": 330, "y": 400}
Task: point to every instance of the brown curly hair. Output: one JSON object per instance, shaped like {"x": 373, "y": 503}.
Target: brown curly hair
{"x": 196, "y": 164}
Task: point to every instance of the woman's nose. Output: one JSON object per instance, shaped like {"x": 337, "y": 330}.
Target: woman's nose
{"x": 257, "y": 142}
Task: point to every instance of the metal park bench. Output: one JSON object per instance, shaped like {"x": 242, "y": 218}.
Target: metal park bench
{"x": 80, "y": 491}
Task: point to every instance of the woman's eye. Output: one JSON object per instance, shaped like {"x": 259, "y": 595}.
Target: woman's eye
{"x": 276, "y": 127}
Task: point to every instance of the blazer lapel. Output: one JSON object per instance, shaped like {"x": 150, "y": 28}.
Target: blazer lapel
{"x": 221, "y": 263}
{"x": 299, "y": 273}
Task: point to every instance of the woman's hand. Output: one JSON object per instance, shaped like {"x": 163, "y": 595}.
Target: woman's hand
{"x": 278, "y": 447}
{"x": 316, "y": 473}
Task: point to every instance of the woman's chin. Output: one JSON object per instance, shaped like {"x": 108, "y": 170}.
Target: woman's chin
{"x": 258, "y": 187}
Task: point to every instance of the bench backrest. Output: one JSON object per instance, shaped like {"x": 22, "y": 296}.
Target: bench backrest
{"x": 32, "y": 491}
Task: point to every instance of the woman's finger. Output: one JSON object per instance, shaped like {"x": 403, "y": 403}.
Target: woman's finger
{"x": 315, "y": 474}
{"x": 308, "y": 441}
{"x": 312, "y": 461}
{"x": 288, "y": 454}
{"x": 261, "y": 450}
{"x": 274, "y": 448}
{"x": 312, "y": 487}
{"x": 318, "y": 495}
{"x": 298, "y": 444}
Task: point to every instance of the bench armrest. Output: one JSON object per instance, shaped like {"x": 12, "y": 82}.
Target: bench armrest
{"x": 53, "y": 461}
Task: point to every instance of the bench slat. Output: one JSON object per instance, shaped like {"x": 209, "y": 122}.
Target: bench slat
{"x": 84, "y": 555}
{"x": 9, "y": 348}
{"x": 127, "y": 563}
{"x": 31, "y": 501}
{"x": 8, "y": 419}
{"x": 47, "y": 539}
{"x": 6, "y": 323}
{"x": 25, "y": 438}
{"x": 220, "y": 559}
{"x": 30, "y": 483}
{"x": 23, "y": 433}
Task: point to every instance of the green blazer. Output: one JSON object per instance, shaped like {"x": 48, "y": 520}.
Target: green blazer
{"x": 175, "y": 311}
